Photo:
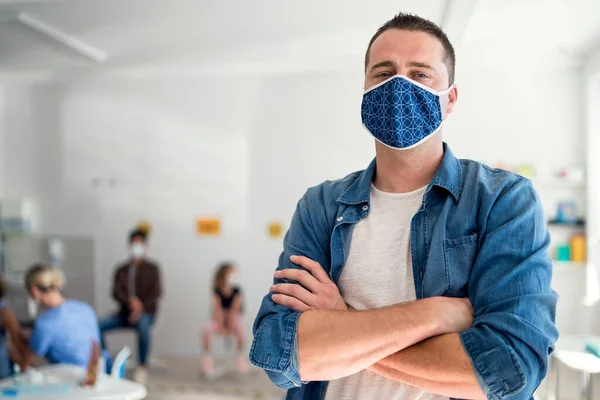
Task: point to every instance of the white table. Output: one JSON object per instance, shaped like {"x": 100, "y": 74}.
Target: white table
{"x": 570, "y": 351}
{"x": 67, "y": 376}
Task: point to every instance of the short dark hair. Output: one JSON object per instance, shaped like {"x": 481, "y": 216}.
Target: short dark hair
{"x": 137, "y": 233}
{"x": 414, "y": 23}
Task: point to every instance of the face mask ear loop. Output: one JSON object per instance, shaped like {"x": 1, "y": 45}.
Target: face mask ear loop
{"x": 440, "y": 94}
{"x": 444, "y": 92}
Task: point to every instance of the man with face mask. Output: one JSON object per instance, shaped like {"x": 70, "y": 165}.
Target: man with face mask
{"x": 137, "y": 289}
{"x": 421, "y": 277}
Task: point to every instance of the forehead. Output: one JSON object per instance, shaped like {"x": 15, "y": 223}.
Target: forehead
{"x": 401, "y": 46}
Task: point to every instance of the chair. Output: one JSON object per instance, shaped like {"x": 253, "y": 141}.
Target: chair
{"x": 119, "y": 366}
{"x": 105, "y": 362}
{"x": 120, "y": 338}
{"x": 570, "y": 351}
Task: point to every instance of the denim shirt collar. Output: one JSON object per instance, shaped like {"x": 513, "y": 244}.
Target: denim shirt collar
{"x": 448, "y": 177}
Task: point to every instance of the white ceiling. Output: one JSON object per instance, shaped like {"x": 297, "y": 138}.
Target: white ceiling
{"x": 234, "y": 35}
{"x": 188, "y": 31}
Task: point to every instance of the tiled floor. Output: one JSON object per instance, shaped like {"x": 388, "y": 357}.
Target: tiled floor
{"x": 182, "y": 379}
{"x": 194, "y": 397}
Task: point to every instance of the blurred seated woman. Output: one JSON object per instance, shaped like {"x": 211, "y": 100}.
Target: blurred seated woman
{"x": 226, "y": 315}
{"x": 66, "y": 331}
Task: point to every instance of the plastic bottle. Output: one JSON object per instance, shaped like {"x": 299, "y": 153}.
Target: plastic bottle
{"x": 578, "y": 247}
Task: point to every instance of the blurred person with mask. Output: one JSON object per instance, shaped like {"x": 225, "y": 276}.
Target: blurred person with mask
{"x": 66, "y": 330}
{"x": 422, "y": 277}
{"x": 226, "y": 318}
{"x": 137, "y": 288}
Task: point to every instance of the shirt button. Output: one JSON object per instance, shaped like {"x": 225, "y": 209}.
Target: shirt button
{"x": 365, "y": 208}
{"x": 340, "y": 219}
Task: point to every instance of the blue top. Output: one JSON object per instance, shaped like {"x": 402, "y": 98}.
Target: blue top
{"x": 480, "y": 233}
{"x": 64, "y": 334}
{"x": 5, "y": 364}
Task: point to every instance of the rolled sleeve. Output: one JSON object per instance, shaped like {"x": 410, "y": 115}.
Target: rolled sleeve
{"x": 275, "y": 345}
{"x": 514, "y": 328}
{"x": 275, "y": 349}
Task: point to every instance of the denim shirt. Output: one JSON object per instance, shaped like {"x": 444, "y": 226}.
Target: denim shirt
{"x": 480, "y": 232}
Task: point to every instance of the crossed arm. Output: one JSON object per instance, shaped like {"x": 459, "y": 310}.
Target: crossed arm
{"x": 438, "y": 365}
{"x": 414, "y": 343}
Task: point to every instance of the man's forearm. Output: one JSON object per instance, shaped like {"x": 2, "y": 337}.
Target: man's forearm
{"x": 439, "y": 365}
{"x": 334, "y": 344}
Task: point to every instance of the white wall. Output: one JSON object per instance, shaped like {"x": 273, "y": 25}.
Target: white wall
{"x": 170, "y": 150}
{"x": 505, "y": 112}
{"x": 31, "y": 157}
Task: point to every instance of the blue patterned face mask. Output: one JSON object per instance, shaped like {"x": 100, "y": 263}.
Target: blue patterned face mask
{"x": 402, "y": 113}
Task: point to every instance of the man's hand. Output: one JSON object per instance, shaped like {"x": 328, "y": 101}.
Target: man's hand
{"x": 314, "y": 290}
{"x": 134, "y": 317}
{"x": 135, "y": 304}
{"x": 136, "y": 309}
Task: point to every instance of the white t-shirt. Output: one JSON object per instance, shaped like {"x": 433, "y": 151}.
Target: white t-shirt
{"x": 378, "y": 273}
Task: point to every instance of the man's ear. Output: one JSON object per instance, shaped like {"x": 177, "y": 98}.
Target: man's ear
{"x": 452, "y": 99}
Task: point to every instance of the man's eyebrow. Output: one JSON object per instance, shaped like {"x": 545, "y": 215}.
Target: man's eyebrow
{"x": 417, "y": 64}
{"x": 383, "y": 64}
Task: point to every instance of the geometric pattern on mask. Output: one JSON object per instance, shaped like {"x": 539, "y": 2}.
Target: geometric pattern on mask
{"x": 400, "y": 113}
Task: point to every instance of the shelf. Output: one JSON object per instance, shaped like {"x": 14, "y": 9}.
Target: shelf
{"x": 568, "y": 265}
{"x": 580, "y": 223}
{"x": 559, "y": 183}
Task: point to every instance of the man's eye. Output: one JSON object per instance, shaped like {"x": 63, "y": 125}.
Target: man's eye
{"x": 383, "y": 75}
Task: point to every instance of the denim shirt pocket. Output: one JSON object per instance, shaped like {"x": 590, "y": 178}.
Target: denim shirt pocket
{"x": 459, "y": 257}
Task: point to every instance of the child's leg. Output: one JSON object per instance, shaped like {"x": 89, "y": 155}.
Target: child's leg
{"x": 237, "y": 327}
{"x": 209, "y": 330}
